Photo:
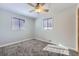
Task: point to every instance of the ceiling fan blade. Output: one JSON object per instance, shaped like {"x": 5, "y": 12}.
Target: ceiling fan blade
{"x": 37, "y": 5}
{"x": 46, "y": 10}
{"x": 31, "y": 11}
{"x": 42, "y": 4}
{"x": 31, "y": 4}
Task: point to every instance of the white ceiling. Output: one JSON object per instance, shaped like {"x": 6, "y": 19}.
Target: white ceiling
{"x": 24, "y": 8}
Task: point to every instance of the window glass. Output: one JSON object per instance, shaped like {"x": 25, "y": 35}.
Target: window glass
{"x": 17, "y": 23}
{"x": 48, "y": 23}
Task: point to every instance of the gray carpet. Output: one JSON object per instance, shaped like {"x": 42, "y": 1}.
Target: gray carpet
{"x": 30, "y": 48}
{"x": 35, "y": 48}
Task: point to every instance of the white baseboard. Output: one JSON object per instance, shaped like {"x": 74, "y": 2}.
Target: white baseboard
{"x": 45, "y": 40}
{"x": 38, "y": 38}
{"x": 7, "y": 44}
{"x": 41, "y": 39}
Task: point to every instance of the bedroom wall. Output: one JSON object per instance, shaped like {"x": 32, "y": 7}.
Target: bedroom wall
{"x": 64, "y": 31}
{"x": 7, "y": 35}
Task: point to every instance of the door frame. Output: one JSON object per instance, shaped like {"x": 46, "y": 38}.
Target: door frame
{"x": 77, "y": 29}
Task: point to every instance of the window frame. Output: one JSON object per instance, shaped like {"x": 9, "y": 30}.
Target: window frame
{"x": 17, "y": 23}
{"x": 48, "y": 23}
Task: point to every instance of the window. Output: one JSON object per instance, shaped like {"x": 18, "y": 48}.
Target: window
{"x": 17, "y": 23}
{"x": 48, "y": 23}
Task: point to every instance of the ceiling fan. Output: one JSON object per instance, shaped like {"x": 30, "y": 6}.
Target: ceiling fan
{"x": 39, "y": 7}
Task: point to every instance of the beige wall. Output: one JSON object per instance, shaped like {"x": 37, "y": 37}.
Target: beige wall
{"x": 64, "y": 31}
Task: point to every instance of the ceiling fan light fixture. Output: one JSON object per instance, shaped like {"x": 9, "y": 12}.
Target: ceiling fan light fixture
{"x": 39, "y": 9}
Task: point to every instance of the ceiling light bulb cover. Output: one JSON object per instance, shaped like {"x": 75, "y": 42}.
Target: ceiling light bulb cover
{"x": 38, "y": 10}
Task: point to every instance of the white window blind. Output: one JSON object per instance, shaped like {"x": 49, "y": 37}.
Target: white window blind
{"x": 17, "y": 23}
{"x": 48, "y": 23}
